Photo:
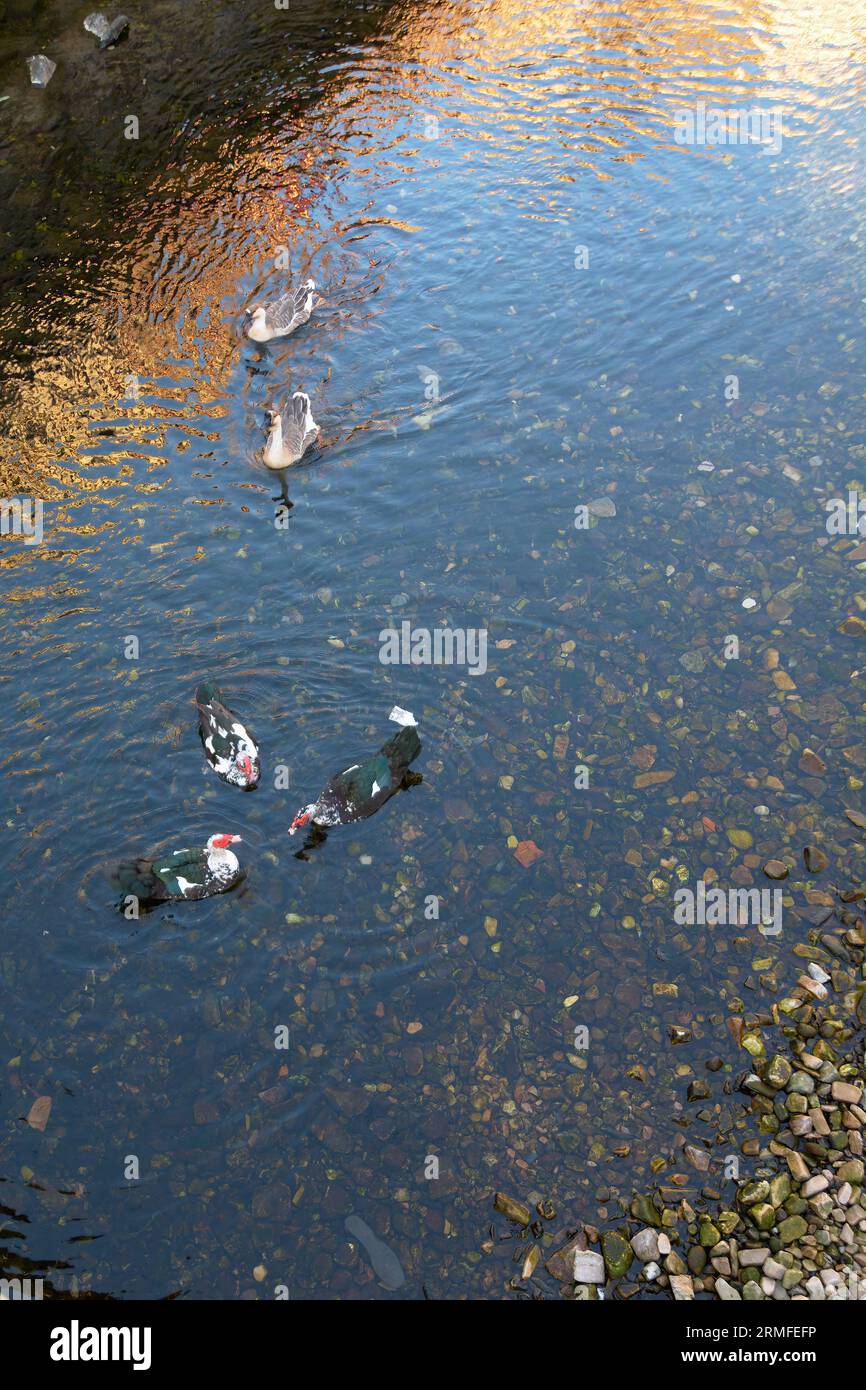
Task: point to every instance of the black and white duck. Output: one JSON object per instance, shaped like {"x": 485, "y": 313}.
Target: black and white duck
{"x": 281, "y": 317}
{"x": 362, "y": 789}
{"x": 291, "y": 434}
{"x": 228, "y": 746}
{"x": 184, "y": 874}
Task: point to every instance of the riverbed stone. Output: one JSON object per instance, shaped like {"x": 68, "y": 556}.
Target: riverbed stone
{"x": 812, "y": 1186}
{"x": 618, "y": 1254}
{"x": 851, "y": 1171}
{"x": 646, "y": 1244}
{"x": 682, "y": 1287}
{"x": 697, "y": 1259}
{"x": 780, "y": 1189}
{"x": 588, "y": 1267}
{"x": 846, "y": 1092}
{"x": 791, "y": 1229}
{"x": 815, "y": 859}
{"x": 763, "y": 1215}
{"x": 801, "y": 1084}
{"x": 709, "y": 1234}
{"x": 755, "y": 1256}
{"x": 778, "y": 1072}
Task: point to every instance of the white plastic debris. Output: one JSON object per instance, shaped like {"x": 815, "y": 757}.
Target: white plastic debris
{"x": 402, "y": 716}
{"x": 706, "y": 467}
{"x": 41, "y": 69}
{"x": 108, "y": 32}
{"x": 97, "y": 24}
{"x": 750, "y": 603}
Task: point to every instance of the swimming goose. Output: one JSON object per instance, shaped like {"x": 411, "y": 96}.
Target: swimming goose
{"x": 283, "y": 316}
{"x": 288, "y": 442}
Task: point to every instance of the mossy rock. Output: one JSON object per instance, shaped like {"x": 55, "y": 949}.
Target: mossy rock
{"x": 618, "y": 1254}
{"x": 791, "y": 1229}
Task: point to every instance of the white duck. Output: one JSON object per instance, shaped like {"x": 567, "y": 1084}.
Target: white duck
{"x": 283, "y": 316}
{"x": 287, "y": 443}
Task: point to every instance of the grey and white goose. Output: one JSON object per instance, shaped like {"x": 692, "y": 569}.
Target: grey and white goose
{"x": 283, "y": 315}
{"x": 291, "y": 434}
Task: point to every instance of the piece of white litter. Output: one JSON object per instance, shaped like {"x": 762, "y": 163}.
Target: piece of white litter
{"x": 402, "y": 716}
{"x": 41, "y": 69}
{"x": 97, "y": 24}
{"x": 736, "y": 279}
{"x": 762, "y": 810}
{"x": 750, "y": 603}
{"x": 706, "y": 467}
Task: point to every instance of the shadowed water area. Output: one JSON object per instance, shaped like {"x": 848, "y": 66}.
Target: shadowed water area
{"x": 534, "y": 298}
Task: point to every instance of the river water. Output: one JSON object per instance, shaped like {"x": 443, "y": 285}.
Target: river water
{"x": 547, "y": 286}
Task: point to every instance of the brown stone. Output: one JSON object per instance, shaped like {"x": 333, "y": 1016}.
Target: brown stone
{"x": 815, "y": 859}
{"x": 774, "y": 868}
{"x": 811, "y": 763}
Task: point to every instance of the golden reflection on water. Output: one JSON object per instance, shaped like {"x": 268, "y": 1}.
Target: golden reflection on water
{"x": 515, "y": 87}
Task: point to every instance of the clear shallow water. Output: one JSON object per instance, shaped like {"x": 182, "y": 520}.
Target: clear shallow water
{"x": 438, "y": 169}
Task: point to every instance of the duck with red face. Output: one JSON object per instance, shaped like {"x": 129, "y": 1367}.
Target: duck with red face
{"x": 360, "y": 790}
{"x": 182, "y": 874}
{"x": 230, "y": 750}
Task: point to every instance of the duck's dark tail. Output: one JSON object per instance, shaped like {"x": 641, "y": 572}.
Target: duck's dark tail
{"x": 404, "y": 747}
{"x": 136, "y": 879}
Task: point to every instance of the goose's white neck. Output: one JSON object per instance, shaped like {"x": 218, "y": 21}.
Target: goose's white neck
{"x": 258, "y": 327}
{"x": 274, "y": 445}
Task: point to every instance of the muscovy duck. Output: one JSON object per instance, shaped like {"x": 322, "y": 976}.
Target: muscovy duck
{"x": 360, "y": 790}
{"x": 182, "y": 874}
{"x": 289, "y": 438}
{"x": 228, "y": 747}
{"x": 283, "y": 315}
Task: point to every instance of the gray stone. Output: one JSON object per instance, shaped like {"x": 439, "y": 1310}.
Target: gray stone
{"x": 588, "y": 1267}
{"x": 646, "y": 1244}
{"x": 754, "y": 1257}
{"x": 812, "y": 1186}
